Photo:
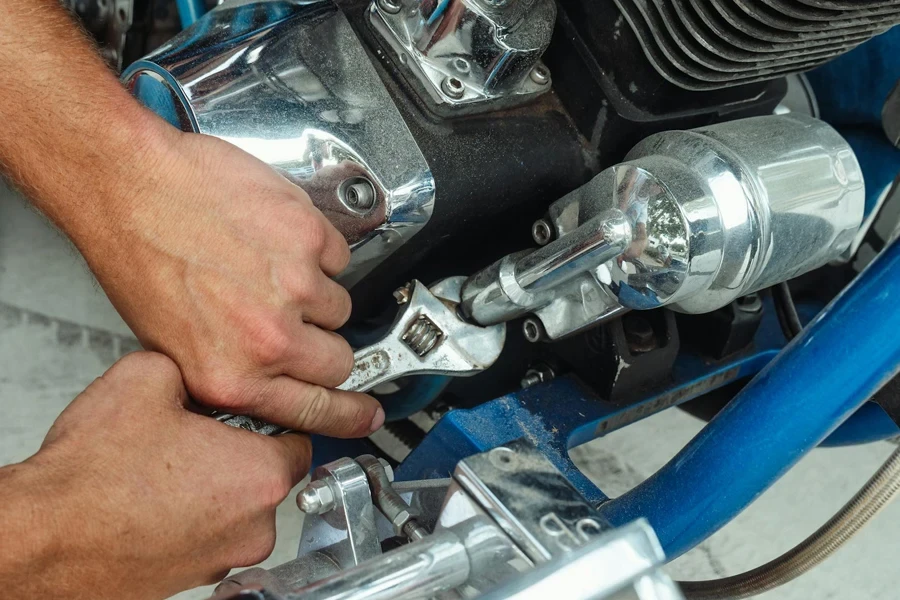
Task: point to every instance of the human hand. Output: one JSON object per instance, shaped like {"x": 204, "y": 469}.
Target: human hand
{"x": 139, "y": 498}
{"x": 215, "y": 260}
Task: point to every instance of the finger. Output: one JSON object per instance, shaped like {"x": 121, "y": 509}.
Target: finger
{"x": 331, "y": 307}
{"x": 311, "y": 408}
{"x": 296, "y": 450}
{"x": 335, "y": 253}
{"x": 321, "y": 357}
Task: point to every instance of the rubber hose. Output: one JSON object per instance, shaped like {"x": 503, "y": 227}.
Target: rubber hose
{"x": 786, "y": 311}
{"x": 873, "y": 496}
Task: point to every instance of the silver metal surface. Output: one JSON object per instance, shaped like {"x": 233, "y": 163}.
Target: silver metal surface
{"x": 691, "y": 219}
{"x": 622, "y": 564}
{"x": 298, "y": 92}
{"x": 517, "y": 285}
{"x": 733, "y": 208}
{"x": 530, "y": 500}
{"x": 347, "y": 534}
{"x": 469, "y": 54}
{"x": 506, "y": 514}
{"x": 428, "y": 337}
{"x": 416, "y": 571}
{"x": 316, "y": 498}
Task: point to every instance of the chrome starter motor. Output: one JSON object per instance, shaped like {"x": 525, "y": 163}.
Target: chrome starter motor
{"x": 691, "y": 220}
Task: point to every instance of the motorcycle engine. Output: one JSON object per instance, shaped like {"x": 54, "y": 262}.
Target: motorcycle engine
{"x": 633, "y": 143}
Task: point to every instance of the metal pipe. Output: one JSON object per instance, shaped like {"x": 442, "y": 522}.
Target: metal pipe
{"x": 415, "y": 571}
{"x": 517, "y": 285}
{"x": 865, "y": 504}
{"x": 603, "y": 238}
{"x": 826, "y": 373}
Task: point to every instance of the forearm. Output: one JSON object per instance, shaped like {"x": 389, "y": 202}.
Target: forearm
{"x": 72, "y": 138}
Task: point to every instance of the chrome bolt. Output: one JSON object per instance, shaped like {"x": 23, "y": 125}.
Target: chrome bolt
{"x": 316, "y": 498}
{"x": 542, "y": 232}
{"x": 540, "y": 75}
{"x": 401, "y": 295}
{"x": 461, "y": 65}
{"x": 453, "y": 87}
{"x": 533, "y": 329}
{"x": 391, "y": 7}
{"x": 357, "y": 194}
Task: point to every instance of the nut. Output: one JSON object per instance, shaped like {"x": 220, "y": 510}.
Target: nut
{"x": 316, "y": 498}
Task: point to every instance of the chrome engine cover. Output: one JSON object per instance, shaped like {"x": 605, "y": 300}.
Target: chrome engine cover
{"x": 300, "y": 94}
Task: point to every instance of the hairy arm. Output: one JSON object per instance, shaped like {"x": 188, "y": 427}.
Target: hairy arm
{"x": 72, "y": 138}
{"x": 210, "y": 257}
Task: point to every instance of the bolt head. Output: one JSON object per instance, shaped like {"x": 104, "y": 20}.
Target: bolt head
{"x": 316, "y": 498}
{"x": 453, "y": 87}
{"x": 388, "y": 469}
{"x": 401, "y": 295}
{"x": 542, "y": 232}
{"x": 540, "y": 75}
{"x": 391, "y": 7}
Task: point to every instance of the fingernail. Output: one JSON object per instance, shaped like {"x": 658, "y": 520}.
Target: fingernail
{"x": 377, "y": 420}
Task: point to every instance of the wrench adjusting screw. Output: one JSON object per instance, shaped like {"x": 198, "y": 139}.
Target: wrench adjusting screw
{"x": 422, "y": 336}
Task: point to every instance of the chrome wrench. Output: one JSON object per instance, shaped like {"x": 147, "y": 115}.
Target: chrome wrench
{"x": 428, "y": 337}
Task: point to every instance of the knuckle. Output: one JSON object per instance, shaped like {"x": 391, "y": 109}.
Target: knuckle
{"x": 313, "y": 409}
{"x": 267, "y": 343}
{"x": 214, "y": 387}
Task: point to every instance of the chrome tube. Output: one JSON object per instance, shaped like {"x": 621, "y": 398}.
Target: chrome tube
{"x": 523, "y": 283}
{"x": 415, "y": 571}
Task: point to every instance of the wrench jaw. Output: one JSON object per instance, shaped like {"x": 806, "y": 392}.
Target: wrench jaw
{"x": 428, "y": 337}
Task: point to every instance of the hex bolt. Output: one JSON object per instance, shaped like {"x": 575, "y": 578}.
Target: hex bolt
{"x": 453, "y": 87}
{"x": 316, "y": 498}
{"x": 392, "y": 7}
{"x": 401, "y": 295}
{"x": 542, "y": 232}
{"x": 539, "y": 373}
{"x": 540, "y": 75}
{"x": 357, "y": 194}
{"x": 533, "y": 329}
{"x": 461, "y": 65}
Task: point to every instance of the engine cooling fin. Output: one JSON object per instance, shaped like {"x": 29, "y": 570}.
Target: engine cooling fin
{"x": 713, "y": 44}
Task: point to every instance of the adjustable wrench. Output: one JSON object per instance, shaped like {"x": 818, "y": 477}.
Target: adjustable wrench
{"x": 428, "y": 337}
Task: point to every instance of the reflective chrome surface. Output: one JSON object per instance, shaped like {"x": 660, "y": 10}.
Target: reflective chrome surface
{"x": 298, "y": 92}
{"x": 692, "y": 219}
{"x": 722, "y": 211}
{"x": 469, "y": 52}
{"x": 346, "y": 534}
{"x": 518, "y": 284}
{"x": 622, "y": 564}
{"x": 428, "y": 337}
{"x": 415, "y": 571}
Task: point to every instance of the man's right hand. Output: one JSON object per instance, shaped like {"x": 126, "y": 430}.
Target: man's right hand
{"x": 133, "y": 496}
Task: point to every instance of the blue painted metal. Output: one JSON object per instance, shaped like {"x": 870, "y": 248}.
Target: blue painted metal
{"x": 189, "y": 11}
{"x": 820, "y": 379}
{"x": 869, "y": 424}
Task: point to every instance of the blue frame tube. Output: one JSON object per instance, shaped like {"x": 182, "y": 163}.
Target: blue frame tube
{"x": 189, "y": 11}
{"x": 815, "y": 384}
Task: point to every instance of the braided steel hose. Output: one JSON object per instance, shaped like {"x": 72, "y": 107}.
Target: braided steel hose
{"x": 868, "y": 502}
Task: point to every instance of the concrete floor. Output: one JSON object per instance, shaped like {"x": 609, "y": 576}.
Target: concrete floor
{"x": 58, "y": 332}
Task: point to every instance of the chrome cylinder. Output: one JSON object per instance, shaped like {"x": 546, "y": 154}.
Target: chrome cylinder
{"x": 723, "y": 211}
{"x": 519, "y": 284}
{"x": 416, "y": 571}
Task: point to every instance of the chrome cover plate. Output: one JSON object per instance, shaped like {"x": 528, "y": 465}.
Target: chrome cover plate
{"x": 298, "y": 91}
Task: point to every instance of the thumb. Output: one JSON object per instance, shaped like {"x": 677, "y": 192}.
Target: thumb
{"x": 296, "y": 452}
